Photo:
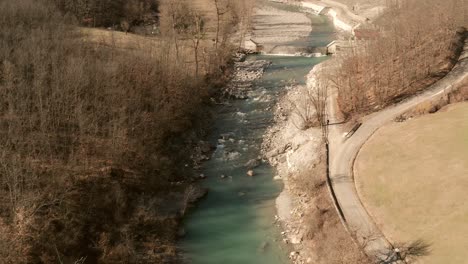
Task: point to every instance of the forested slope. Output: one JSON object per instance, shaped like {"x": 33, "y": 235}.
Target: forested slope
{"x": 413, "y": 44}
{"x": 93, "y": 139}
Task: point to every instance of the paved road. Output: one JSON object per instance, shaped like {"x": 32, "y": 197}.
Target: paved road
{"x": 343, "y": 154}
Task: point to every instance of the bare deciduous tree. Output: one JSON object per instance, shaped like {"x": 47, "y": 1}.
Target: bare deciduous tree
{"x": 222, "y": 7}
{"x": 196, "y": 33}
{"x": 88, "y": 132}
{"x": 398, "y": 61}
{"x": 318, "y": 95}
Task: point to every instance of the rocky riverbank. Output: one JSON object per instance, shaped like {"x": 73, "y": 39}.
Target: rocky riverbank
{"x": 305, "y": 207}
{"x": 241, "y": 190}
{"x": 237, "y": 88}
{"x": 292, "y": 151}
{"x": 245, "y": 73}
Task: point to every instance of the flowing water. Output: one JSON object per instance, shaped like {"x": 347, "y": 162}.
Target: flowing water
{"x": 236, "y": 223}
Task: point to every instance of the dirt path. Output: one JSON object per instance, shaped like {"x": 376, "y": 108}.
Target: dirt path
{"x": 343, "y": 153}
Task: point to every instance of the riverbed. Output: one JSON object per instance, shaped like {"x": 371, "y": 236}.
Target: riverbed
{"x": 236, "y": 222}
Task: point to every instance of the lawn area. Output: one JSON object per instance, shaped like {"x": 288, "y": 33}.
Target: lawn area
{"x": 413, "y": 179}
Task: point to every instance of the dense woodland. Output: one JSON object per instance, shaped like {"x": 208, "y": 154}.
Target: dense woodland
{"x": 417, "y": 43}
{"x": 110, "y": 13}
{"x": 93, "y": 137}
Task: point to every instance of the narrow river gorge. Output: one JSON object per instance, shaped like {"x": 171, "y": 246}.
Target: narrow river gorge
{"x": 236, "y": 222}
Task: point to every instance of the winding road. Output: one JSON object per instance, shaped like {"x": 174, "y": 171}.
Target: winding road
{"x": 343, "y": 153}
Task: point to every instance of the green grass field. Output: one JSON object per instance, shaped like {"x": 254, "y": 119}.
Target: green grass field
{"x": 413, "y": 179}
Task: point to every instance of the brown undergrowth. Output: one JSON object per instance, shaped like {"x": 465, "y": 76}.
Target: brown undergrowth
{"x": 324, "y": 233}
{"x": 93, "y": 143}
{"x": 399, "y": 61}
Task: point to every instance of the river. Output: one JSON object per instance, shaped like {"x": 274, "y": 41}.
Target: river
{"x": 236, "y": 223}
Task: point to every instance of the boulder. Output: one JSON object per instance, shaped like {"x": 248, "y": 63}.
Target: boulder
{"x": 205, "y": 147}
{"x": 225, "y": 136}
{"x": 273, "y": 153}
{"x": 204, "y": 158}
{"x": 253, "y": 163}
{"x": 232, "y": 155}
{"x": 197, "y": 193}
{"x": 250, "y": 173}
{"x": 293, "y": 255}
{"x": 296, "y": 240}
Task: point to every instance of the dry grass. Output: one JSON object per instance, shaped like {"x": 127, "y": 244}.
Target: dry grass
{"x": 90, "y": 140}
{"x": 151, "y": 47}
{"x": 413, "y": 178}
{"x": 118, "y": 39}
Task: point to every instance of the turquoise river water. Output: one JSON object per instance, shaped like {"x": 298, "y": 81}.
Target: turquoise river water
{"x": 235, "y": 223}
